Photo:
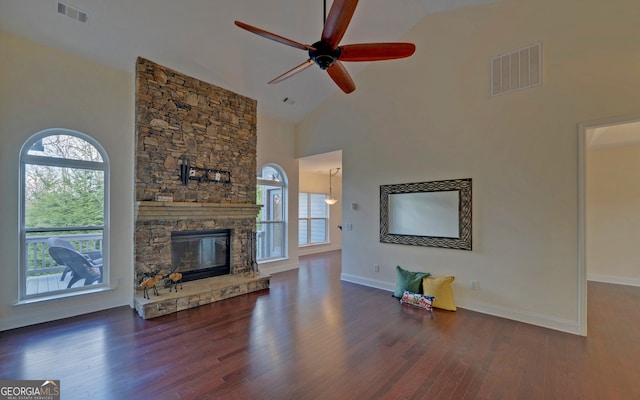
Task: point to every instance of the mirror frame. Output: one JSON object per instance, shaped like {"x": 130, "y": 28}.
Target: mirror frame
{"x": 462, "y": 186}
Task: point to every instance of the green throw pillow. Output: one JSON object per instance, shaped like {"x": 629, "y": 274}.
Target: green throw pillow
{"x": 408, "y": 280}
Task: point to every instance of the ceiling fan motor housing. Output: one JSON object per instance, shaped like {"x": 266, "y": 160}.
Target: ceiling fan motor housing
{"x": 323, "y": 54}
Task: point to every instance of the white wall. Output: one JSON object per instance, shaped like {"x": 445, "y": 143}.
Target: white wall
{"x": 43, "y": 88}
{"x": 430, "y": 117}
{"x": 276, "y": 144}
{"x": 613, "y": 214}
{"x": 319, "y": 183}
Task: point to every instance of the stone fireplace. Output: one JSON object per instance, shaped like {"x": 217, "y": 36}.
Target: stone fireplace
{"x": 180, "y": 119}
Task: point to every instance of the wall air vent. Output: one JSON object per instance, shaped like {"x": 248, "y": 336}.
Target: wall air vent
{"x": 519, "y": 69}
{"x": 72, "y": 12}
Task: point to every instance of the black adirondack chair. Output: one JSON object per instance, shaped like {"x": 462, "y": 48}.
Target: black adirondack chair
{"x": 95, "y": 256}
{"x": 81, "y": 267}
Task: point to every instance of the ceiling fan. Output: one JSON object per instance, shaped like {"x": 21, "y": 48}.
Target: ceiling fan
{"x": 327, "y": 53}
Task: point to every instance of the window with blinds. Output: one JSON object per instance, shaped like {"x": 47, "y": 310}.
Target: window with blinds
{"x": 313, "y": 219}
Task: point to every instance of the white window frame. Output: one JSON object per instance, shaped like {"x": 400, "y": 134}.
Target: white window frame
{"x": 308, "y": 218}
{"x": 283, "y": 185}
{"x": 29, "y": 159}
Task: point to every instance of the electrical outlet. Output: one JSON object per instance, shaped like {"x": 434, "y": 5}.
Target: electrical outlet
{"x": 349, "y": 227}
{"x": 376, "y": 267}
{"x": 120, "y": 282}
{"x": 474, "y": 285}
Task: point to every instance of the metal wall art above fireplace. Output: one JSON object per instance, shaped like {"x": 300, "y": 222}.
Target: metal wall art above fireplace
{"x": 201, "y": 254}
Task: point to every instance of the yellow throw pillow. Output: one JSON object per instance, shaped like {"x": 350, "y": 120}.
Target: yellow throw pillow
{"x": 440, "y": 288}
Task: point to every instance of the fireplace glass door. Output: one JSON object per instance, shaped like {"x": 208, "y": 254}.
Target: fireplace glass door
{"x": 201, "y": 254}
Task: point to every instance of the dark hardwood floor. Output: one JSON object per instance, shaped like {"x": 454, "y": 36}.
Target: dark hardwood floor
{"x": 312, "y": 336}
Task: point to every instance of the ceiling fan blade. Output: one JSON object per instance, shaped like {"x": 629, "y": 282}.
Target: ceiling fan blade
{"x": 273, "y": 36}
{"x": 341, "y": 77}
{"x": 375, "y": 51}
{"x": 337, "y": 21}
{"x": 293, "y": 71}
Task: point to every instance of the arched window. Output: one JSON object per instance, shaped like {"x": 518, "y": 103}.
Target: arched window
{"x": 271, "y": 224}
{"x": 64, "y": 177}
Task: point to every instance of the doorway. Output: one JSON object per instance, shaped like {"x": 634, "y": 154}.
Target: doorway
{"x": 609, "y": 193}
{"x": 320, "y": 177}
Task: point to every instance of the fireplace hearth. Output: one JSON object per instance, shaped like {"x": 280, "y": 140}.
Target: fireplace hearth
{"x": 214, "y": 237}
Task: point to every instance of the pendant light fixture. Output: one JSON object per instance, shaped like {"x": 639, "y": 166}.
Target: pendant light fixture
{"x": 330, "y": 200}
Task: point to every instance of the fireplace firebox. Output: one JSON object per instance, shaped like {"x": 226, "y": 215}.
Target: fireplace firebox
{"x": 201, "y": 254}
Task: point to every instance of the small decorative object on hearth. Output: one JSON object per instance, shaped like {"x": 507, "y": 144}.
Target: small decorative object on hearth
{"x": 163, "y": 197}
{"x": 150, "y": 283}
{"x": 174, "y": 279}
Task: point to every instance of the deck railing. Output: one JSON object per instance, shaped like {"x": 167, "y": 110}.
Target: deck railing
{"x": 269, "y": 240}
{"x": 39, "y": 261}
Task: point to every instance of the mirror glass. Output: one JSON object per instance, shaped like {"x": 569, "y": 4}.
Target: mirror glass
{"x": 434, "y": 214}
{"x": 425, "y": 214}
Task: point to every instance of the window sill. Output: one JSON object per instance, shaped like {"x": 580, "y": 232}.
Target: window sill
{"x": 59, "y": 296}
{"x": 271, "y": 260}
{"x": 302, "y": 246}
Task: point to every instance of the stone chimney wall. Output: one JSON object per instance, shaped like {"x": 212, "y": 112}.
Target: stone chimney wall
{"x": 176, "y": 116}
{"x": 180, "y": 116}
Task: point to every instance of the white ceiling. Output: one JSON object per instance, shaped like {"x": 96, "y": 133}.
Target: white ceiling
{"x": 199, "y": 38}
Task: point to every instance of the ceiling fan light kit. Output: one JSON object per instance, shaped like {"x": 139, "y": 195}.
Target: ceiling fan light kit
{"x": 328, "y": 55}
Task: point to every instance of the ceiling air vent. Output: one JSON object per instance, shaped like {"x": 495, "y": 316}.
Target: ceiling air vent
{"x": 72, "y": 12}
{"x": 517, "y": 70}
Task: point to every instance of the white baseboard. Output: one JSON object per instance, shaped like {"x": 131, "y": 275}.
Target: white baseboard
{"x": 368, "y": 282}
{"x": 71, "y": 308}
{"x": 618, "y": 280}
{"x": 545, "y": 321}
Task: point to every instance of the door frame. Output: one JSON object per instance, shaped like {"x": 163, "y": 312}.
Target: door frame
{"x": 583, "y": 130}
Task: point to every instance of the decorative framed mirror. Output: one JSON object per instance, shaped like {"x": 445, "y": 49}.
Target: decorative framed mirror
{"x": 433, "y": 214}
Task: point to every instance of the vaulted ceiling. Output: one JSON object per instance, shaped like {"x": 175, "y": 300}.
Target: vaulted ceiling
{"x": 199, "y": 38}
